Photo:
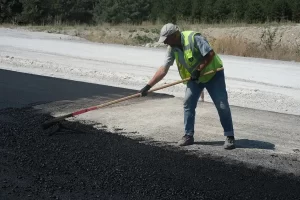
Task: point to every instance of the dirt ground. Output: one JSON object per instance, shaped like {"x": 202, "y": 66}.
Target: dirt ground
{"x": 93, "y": 164}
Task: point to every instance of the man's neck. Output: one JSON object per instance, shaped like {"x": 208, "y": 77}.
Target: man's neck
{"x": 180, "y": 43}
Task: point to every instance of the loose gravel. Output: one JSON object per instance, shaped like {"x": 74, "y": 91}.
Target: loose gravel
{"x": 87, "y": 163}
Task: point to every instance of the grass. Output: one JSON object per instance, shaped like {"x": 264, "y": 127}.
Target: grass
{"x": 267, "y": 45}
{"x": 239, "y": 47}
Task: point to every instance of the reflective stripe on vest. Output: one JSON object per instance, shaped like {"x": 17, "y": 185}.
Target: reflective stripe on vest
{"x": 193, "y": 61}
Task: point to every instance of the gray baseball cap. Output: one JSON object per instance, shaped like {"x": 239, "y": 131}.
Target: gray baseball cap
{"x": 166, "y": 30}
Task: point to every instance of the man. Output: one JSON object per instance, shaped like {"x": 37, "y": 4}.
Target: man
{"x": 194, "y": 57}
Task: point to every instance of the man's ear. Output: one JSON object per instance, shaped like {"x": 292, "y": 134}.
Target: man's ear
{"x": 177, "y": 34}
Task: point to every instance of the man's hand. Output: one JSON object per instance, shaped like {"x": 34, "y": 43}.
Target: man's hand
{"x": 144, "y": 90}
{"x": 195, "y": 75}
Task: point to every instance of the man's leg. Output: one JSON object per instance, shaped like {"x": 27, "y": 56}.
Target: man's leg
{"x": 217, "y": 90}
{"x": 192, "y": 95}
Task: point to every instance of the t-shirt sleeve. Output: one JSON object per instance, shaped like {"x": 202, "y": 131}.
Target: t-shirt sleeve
{"x": 202, "y": 44}
{"x": 169, "y": 58}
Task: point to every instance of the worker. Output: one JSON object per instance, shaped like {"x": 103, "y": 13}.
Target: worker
{"x": 195, "y": 57}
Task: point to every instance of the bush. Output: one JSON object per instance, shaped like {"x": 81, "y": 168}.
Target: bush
{"x": 142, "y": 39}
{"x": 137, "y": 11}
{"x": 268, "y": 38}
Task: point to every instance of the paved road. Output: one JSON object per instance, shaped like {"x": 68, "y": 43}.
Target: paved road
{"x": 251, "y": 82}
{"x": 20, "y": 89}
{"x": 89, "y": 163}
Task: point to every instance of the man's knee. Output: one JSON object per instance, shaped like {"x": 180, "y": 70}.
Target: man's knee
{"x": 187, "y": 102}
{"x": 187, "y": 98}
{"x": 222, "y": 106}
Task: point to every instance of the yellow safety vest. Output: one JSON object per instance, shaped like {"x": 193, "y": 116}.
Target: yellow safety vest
{"x": 192, "y": 59}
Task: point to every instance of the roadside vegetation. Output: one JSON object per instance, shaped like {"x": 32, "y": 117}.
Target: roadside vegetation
{"x": 252, "y": 28}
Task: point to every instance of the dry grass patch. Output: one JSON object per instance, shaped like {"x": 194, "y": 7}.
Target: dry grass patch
{"x": 282, "y": 53}
{"x": 275, "y": 41}
{"x": 121, "y": 34}
{"x": 241, "y": 47}
{"x": 231, "y": 46}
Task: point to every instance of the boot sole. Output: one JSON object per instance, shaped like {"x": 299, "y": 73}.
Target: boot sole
{"x": 230, "y": 147}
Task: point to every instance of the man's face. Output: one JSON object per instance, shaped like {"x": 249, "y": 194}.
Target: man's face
{"x": 171, "y": 40}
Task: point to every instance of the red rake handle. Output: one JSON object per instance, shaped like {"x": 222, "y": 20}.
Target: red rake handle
{"x": 79, "y": 112}
{"x": 49, "y": 123}
{"x": 135, "y": 95}
{"x": 104, "y": 104}
{"x": 126, "y": 98}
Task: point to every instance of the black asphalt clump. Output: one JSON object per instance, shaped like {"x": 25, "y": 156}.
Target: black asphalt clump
{"x": 95, "y": 164}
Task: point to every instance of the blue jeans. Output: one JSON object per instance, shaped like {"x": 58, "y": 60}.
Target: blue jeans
{"x": 216, "y": 88}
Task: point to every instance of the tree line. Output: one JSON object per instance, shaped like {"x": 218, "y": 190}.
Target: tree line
{"x": 138, "y": 11}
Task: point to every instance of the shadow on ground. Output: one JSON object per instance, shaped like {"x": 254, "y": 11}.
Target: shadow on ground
{"x": 30, "y": 90}
{"x": 86, "y": 163}
{"x": 243, "y": 143}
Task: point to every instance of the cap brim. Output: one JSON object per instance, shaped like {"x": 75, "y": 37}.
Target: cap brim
{"x": 162, "y": 39}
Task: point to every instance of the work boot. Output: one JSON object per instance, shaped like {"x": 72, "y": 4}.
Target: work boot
{"x": 229, "y": 143}
{"x": 186, "y": 140}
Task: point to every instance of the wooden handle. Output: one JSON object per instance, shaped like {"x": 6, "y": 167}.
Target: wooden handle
{"x": 170, "y": 84}
{"x": 138, "y": 94}
{"x": 183, "y": 80}
{"x": 57, "y": 119}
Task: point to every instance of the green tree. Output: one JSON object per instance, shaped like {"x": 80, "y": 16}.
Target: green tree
{"x": 156, "y": 10}
{"x": 138, "y": 11}
{"x": 35, "y": 11}
{"x": 184, "y": 9}
{"x": 170, "y": 11}
{"x": 196, "y": 10}
{"x": 10, "y": 10}
{"x": 80, "y": 11}
{"x": 118, "y": 11}
{"x": 106, "y": 11}
{"x": 296, "y": 11}
{"x": 208, "y": 14}
{"x": 166, "y": 10}
{"x": 221, "y": 10}
{"x": 255, "y": 12}
{"x": 237, "y": 13}
{"x": 281, "y": 10}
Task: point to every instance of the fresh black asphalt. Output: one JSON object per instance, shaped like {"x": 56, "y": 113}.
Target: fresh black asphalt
{"x": 87, "y": 163}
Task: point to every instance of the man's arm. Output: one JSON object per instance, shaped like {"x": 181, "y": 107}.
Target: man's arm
{"x": 205, "y": 49}
{"x": 158, "y": 76}
{"x": 161, "y": 72}
{"x": 207, "y": 59}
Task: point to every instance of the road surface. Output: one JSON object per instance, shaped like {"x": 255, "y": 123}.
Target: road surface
{"x": 128, "y": 150}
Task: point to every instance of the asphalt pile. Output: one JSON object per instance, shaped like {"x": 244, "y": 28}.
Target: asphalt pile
{"x": 86, "y": 163}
